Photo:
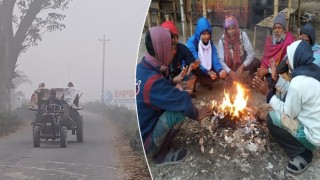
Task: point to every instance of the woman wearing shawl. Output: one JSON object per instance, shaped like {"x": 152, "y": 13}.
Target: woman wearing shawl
{"x": 235, "y": 50}
{"x": 294, "y": 123}
{"x": 202, "y": 48}
{"x": 161, "y": 107}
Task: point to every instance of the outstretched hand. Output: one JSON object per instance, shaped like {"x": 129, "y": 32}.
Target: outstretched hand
{"x": 193, "y": 66}
{"x": 273, "y": 68}
{"x": 212, "y": 75}
{"x": 180, "y": 77}
{"x": 233, "y": 75}
{"x": 261, "y": 72}
{"x": 223, "y": 74}
{"x": 240, "y": 70}
{"x": 203, "y": 113}
{"x": 261, "y": 85}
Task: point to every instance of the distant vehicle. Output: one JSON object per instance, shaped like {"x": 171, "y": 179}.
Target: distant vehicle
{"x": 49, "y": 122}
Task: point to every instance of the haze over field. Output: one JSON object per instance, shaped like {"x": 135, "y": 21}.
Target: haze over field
{"x": 75, "y": 54}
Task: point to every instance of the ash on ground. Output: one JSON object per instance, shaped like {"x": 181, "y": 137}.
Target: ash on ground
{"x": 242, "y": 150}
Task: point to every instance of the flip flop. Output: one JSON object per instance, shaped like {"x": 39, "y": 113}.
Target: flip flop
{"x": 300, "y": 163}
{"x": 174, "y": 157}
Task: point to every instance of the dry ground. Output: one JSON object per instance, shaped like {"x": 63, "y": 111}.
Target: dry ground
{"x": 131, "y": 164}
{"x": 245, "y": 151}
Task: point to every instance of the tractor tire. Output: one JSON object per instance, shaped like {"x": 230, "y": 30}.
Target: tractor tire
{"x": 63, "y": 136}
{"x": 79, "y": 130}
{"x": 36, "y": 136}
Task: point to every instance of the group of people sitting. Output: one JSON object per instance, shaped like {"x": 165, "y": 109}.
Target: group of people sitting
{"x": 68, "y": 98}
{"x": 167, "y": 74}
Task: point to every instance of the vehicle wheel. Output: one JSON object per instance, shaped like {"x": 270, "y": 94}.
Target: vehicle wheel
{"x": 36, "y": 136}
{"x": 63, "y": 136}
{"x": 79, "y": 130}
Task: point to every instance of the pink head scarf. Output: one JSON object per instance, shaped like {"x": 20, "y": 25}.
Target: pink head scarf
{"x": 235, "y": 61}
{"x": 161, "y": 42}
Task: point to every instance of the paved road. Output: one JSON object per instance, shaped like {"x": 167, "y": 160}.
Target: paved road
{"x": 91, "y": 160}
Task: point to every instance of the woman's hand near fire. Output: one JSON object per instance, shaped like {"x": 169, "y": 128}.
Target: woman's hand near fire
{"x": 261, "y": 85}
{"x": 261, "y": 72}
{"x": 203, "y": 113}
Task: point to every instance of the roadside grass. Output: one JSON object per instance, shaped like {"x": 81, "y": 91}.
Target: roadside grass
{"x": 122, "y": 116}
{"x": 11, "y": 121}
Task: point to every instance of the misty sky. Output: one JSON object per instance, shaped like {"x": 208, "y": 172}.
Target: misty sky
{"x": 78, "y": 45}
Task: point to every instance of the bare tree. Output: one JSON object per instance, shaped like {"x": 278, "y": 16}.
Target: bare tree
{"x": 22, "y": 25}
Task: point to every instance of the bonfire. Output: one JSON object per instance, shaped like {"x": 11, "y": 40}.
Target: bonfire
{"x": 234, "y": 121}
{"x": 233, "y": 109}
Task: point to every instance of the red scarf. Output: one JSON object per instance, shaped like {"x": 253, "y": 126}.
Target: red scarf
{"x": 275, "y": 51}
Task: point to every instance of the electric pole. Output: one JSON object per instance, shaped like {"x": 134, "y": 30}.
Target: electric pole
{"x": 68, "y": 71}
{"x": 104, "y": 40}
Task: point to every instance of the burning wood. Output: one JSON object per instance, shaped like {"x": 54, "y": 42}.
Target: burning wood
{"x": 232, "y": 110}
{"x": 234, "y": 124}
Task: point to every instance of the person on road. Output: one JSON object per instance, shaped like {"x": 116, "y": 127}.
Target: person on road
{"x": 53, "y": 100}
{"x": 68, "y": 96}
{"x": 33, "y": 105}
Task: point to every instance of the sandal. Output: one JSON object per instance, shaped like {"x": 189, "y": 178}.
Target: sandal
{"x": 174, "y": 157}
{"x": 299, "y": 163}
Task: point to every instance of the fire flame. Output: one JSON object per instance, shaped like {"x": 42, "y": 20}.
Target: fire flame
{"x": 238, "y": 105}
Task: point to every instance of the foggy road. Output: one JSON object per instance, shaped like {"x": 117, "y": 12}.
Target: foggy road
{"x": 92, "y": 159}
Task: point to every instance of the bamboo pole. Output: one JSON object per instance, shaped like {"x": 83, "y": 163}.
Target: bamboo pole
{"x": 190, "y": 23}
{"x": 299, "y": 13}
{"x": 204, "y": 8}
{"x": 254, "y": 37}
{"x": 183, "y": 21}
{"x": 149, "y": 20}
{"x": 275, "y": 7}
{"x": 288, "y": 14}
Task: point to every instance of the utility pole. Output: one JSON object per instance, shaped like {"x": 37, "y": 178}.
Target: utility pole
{"x": 104, "y": 40}
{"x": 68, "y": 71}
